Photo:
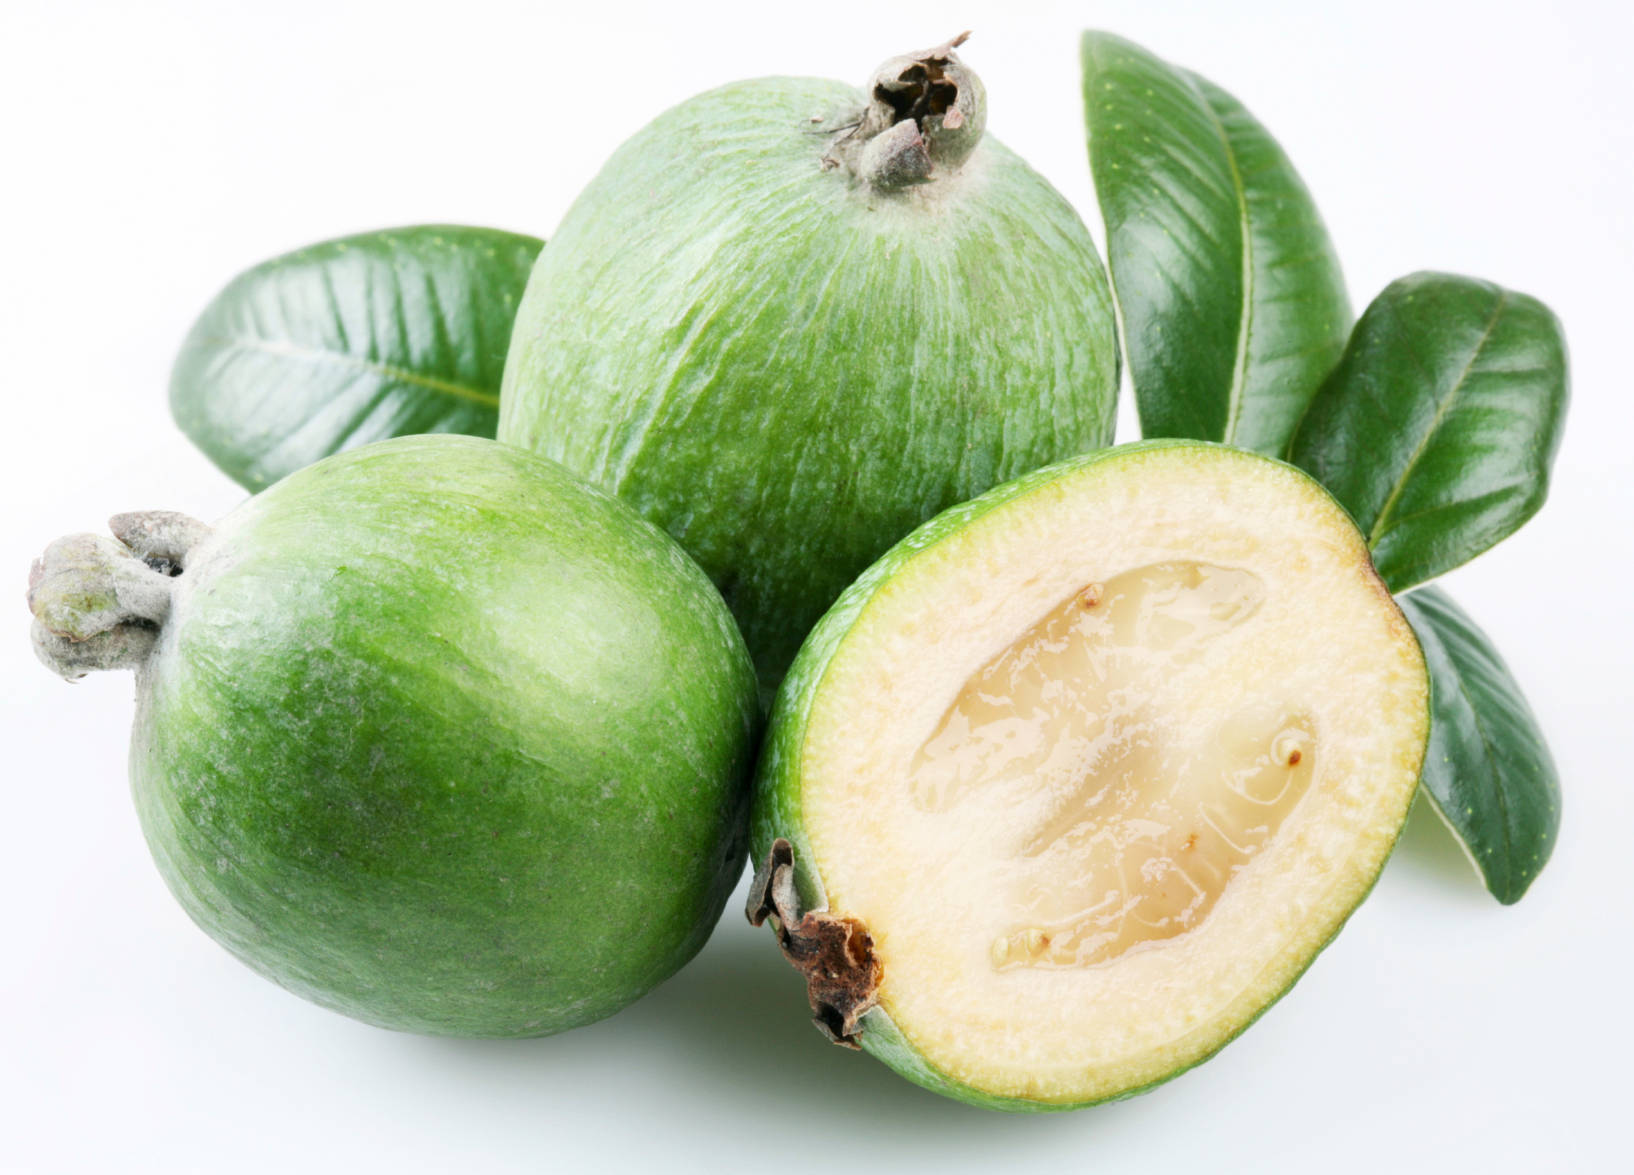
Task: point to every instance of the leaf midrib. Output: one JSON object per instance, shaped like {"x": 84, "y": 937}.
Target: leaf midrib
{"x": 288, "y": 349}
{"x": 1379, "y": 527}
{"x": 1245, "y": 314}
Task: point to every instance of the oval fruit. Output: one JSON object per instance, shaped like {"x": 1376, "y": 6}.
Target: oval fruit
{"x": 1079, "y": 777}
{"x": 430, "y": 732}
{"x": 789, "y": 321}
{"x": 349, "y": 341}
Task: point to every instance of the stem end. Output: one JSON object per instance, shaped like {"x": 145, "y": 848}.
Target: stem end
{"x": 925, "y": 115}
{"x": 98, "y": 602}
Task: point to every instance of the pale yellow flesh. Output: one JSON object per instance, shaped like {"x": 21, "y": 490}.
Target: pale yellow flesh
{"x": 1138, "y": 840}
{"x": 1113, "y": 763}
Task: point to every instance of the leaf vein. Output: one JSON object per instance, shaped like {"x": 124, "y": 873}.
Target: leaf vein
{"x": 1442, "y": 409}
{"x": 389, "y": 371}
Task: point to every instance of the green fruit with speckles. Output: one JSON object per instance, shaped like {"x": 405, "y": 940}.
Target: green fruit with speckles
{"x": 789, "y": 321}
{"x": 430, "y": 732}
{"x": 1074, "y": 782}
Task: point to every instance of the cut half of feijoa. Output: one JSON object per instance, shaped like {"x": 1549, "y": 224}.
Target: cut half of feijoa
{"x": 1079, "y": 777}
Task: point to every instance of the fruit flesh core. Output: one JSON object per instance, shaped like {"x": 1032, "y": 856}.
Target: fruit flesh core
{"x": 1102, "y": 770}
{"x": 1140, "y": 836}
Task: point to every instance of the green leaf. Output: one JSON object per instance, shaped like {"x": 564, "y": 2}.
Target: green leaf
{"x": 351, "y": 341}
{"x": 1234, "y": 307}
{"x": 1487, "y": 770}
{"x": 1438, "y": 428}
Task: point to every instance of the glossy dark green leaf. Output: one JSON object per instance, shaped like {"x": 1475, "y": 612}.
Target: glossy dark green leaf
{"x": 1488, "y": 770}
{"x": 1439, "y": 426}
{"x": 1234, "y": 307}
{"x": 350, "y": 341}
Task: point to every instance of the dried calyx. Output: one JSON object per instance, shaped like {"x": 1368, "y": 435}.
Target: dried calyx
{"x": 924, "y": 116}
{"x": 98, "y": 602}
{"x": 835, "y": 953}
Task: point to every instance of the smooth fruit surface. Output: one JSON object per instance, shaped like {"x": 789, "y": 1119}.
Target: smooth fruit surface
{"x": 789, "y": 368}
{"x": 440, "y": 737}
{"x": 1097, "y": 763}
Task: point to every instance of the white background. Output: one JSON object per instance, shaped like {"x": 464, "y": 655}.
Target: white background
{"x": 151, "y": 151}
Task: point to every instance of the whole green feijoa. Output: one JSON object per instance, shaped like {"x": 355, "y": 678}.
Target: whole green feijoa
{"x": 789, "y": 320}
{"x": 350, "y": 341}
{"x": 430, "y": 732}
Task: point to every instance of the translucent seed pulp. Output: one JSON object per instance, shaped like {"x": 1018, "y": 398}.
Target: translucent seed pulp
{"x": 1141, "y": 830}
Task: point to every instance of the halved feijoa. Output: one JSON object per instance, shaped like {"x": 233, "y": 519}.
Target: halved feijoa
{"x": 1079, "y": 777}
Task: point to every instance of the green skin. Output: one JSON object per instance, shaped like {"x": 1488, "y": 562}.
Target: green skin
{"x": 350, "y": 341}
{"x": 440, "y": 737}
{"x": 788, "y": 369}
{"x": 777, "y": 808}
